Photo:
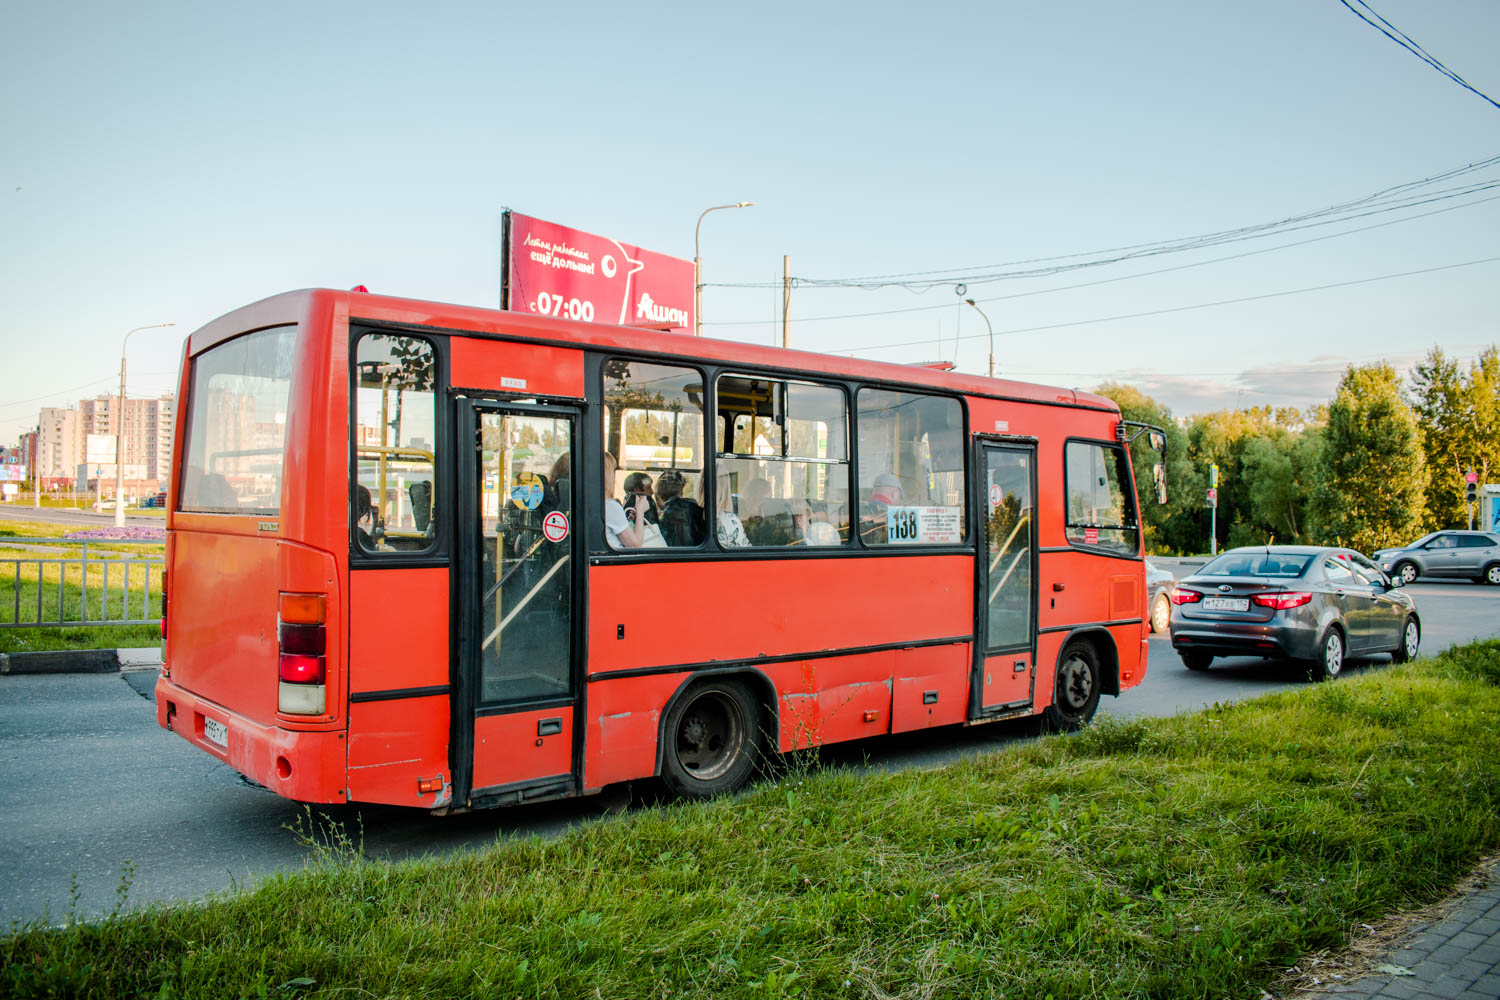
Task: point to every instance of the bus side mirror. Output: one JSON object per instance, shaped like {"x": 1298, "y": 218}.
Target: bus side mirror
{"x": 1159, "y": 480}
{"x": 1158, "y": 441}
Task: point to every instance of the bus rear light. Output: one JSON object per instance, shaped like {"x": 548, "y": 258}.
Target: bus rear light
{"x": 307, "y": 640}
{"x": 301, "y": 609}
{"x": 302, "y": 640}
{"x": 1180, "y": 596}
{"x": 1281, "y": 602}
{"x": 298, "y": 669}
{"x": 163, "y": 604}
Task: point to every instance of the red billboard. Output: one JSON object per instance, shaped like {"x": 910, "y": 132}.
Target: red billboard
{"x": 551, "y": 270}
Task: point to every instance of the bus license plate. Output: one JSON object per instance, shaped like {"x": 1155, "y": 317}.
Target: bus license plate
{"x": 216, "y": 732}
{"x": 1226, "y": 604}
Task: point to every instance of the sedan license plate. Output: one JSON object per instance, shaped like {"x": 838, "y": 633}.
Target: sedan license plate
{"x": 216, "y": 732}
{"x": 1226, "y": 604}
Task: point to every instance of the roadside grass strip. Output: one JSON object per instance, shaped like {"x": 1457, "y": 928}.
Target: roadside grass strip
{"x": 1197, "y": 856}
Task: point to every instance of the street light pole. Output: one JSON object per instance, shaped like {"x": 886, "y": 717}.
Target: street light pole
{"x": 120, "y": 430}
{"x": 992, "y": 334}
{"x": 698, "y": 266}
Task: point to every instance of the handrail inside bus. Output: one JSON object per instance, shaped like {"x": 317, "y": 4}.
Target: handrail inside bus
{"x": 521, "y": 605}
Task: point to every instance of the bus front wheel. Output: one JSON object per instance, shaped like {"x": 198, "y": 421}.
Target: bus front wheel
{"x": 1075, "y": 694}
{"x": 711, "y": 736}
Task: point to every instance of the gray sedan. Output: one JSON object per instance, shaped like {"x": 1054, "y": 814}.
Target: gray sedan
{"x": 1293, "y": 602}
{"x": 1473, "y": 555}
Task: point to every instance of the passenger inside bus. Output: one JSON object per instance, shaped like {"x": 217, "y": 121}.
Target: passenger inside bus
{"x": 682, "y": 520}
{"x": 885, "y": 492}
{"x": 624, "y": 531}
{"x": 639, "y": 484}
{"x": 364, "y": 518}
{"x": 811, "y": 528}
{"x": 727, "y": 527}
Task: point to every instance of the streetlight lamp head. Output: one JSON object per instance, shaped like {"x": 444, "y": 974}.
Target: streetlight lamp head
{"x": 971, "y": 302}
{"x": 744, "y": 204}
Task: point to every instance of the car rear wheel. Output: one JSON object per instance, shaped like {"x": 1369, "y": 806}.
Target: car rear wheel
{"x": 1075, "y": 695}
{"x": 1196, "y": 660}
{"x": 1407, "y": 571}
{"x": 1161, "y": 614}
{"x": 1411, "y": 638}
{"x": 1330, "y": 661}
{"x": 1492, "y": 574}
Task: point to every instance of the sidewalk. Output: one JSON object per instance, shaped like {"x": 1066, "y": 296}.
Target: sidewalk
{"x": 1452, "y": 955}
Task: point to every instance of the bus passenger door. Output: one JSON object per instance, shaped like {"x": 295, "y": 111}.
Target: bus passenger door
{"x": 519, "y": 581}
{"x": 1005, "y": 646}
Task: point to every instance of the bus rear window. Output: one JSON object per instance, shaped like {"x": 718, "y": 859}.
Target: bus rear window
{"x": 237, "y": 424}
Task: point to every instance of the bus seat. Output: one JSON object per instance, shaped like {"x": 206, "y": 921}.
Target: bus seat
{"x": 421, "y": 505}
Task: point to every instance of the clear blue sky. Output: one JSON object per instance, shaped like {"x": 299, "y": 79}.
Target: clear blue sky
{"x": 169, "y": 162}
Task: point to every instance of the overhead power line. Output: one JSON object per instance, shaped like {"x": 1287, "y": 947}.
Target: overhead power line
{"x": 1404, "y": 40}
{"x": 1395, "y": 198}
{"x": 1176, "y": 309}
{"x": 1123, "y": 277}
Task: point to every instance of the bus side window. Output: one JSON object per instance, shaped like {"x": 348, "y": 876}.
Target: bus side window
{"x": 653, "y": 426}
{"x": 395, "y": 423}
{"x": 911, "y": 469}
{"x": 783, "y": 466}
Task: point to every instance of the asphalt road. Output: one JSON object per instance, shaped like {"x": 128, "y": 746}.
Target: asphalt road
{"x": 96, "y": 795}
{"x": 80, "y": 518}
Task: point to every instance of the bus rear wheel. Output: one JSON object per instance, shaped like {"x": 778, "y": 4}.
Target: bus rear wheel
{"x": 1075, "y": 694}
{"x": 711, "y": 738}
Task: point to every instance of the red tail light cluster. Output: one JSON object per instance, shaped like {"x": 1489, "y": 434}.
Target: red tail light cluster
{"x": 163, "y": 604}
{"x": 302, "y": 638}
{"x": 1290, "y": 599}
{"x": 1180, "y": 596}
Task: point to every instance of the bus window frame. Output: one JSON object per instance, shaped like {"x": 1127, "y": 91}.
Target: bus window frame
{"x": 1122, "y": 453}
{"x": 591, "y": 438}
{"x": 437, "y": 554}
{"x": 971, "y": 522}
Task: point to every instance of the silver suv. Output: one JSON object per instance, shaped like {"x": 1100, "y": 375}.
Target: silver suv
{"x": 1474, "y": 555}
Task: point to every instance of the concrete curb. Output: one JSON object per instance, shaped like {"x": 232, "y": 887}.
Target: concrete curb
{"x": 79, "y": 661}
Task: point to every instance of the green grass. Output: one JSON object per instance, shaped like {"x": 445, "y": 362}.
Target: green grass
{"x": 1187, "y": 857}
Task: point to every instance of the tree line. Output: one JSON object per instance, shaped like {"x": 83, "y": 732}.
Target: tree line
{"x": 1376, "y": 467}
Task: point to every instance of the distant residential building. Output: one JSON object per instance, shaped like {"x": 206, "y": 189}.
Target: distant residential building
{"x": 60, "y": 445}
{"x": 148, "y": 429}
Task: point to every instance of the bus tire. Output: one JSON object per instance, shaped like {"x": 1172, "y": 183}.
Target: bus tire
{"x": 711, "y": 736}
{"x": 1075, "y": 691}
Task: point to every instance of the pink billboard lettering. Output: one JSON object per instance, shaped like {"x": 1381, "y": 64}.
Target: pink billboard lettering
{"x": 551, "y": 270}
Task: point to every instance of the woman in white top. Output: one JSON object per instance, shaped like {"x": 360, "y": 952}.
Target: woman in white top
{"x": 730, "y": 532}
{"x": 620, "y": 531}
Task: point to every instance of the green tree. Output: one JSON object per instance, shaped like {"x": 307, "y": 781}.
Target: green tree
{"x": 1460, "y": 417}
{"x": 1374, "y": 484}
{"x": 1181, "y": 525}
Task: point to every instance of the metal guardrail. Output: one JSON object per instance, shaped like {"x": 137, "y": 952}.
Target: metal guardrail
{"x": 107, "y": 588}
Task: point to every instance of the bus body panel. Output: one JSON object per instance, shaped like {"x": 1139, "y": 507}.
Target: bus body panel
{"x": 221, "y": 623}
{"x": 624, "y": 723}
{"x": 395, "y": 744}
{"x": 744, "y": 609}
{"x": 512, "y": 367}
{"x": 521, "y": 746}
{"x": 305, "y": 766}
{"x": 398, "y": 644}
{"x": 398, "y": 630}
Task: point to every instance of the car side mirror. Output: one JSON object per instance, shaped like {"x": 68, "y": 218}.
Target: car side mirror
{"x": 1394, "y": 583}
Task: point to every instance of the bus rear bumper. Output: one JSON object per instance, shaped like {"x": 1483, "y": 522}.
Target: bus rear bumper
{"x": 302, "y": 766}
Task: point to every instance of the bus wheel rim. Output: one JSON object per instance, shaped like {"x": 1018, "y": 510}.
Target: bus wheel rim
{"x": 710, "y": 736}
{"x": 1075, "y": 683}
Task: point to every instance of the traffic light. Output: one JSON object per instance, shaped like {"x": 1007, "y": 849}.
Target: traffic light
{"x": 1471, "y": 492}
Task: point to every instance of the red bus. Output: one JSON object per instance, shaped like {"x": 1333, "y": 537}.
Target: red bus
{"x": 450, "y": 557}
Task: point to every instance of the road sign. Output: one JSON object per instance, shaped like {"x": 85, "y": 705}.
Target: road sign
{"x": 1213, "y": 475}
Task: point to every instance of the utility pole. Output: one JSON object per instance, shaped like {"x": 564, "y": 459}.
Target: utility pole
{"x": 36, "y": 468}
{"x": 786, "y": 297}
{"x": 1213, "y": 510}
